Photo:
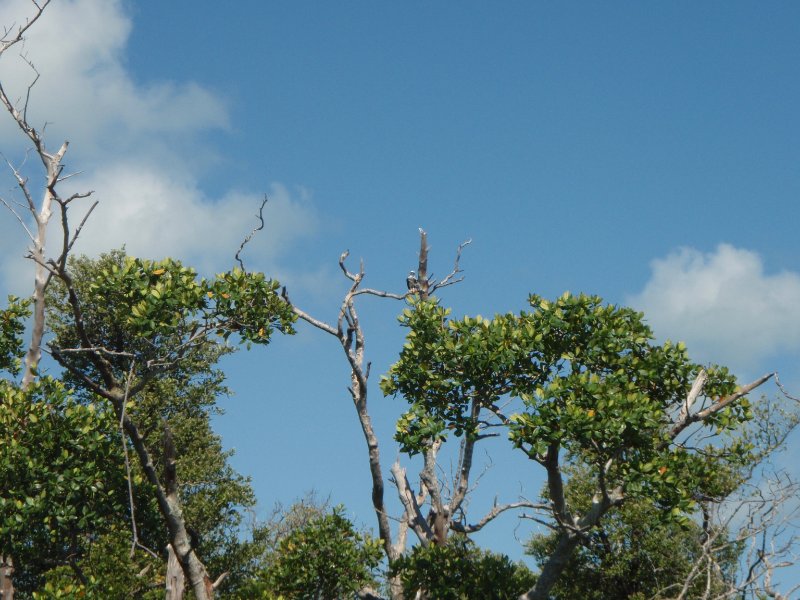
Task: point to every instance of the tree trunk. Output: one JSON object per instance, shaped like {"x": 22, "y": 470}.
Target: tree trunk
{"x": 360, "y": 400}
{"x": 6, "y": 580}
{"x": 170, "y": 505}
{"x": 175, "y": 579}
{"x": 555, "y": 565}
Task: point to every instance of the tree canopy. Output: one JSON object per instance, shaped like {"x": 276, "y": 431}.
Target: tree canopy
{"x": 587, "y": 383}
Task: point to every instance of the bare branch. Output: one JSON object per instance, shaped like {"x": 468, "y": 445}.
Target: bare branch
{"x": 413, "y": 513}
{"x": 21, "y": 222}
{"x": 694, "y": 392}
{"x": 495, "y": 512}
{"x": 381, "y": 294}
{"x": 783, "y": 390}
{"x": 30, "y": 87}
{"x": 348, "y": 274}
{"x": 260, "y": 217}
{"x": 5, "y": 44}
{"x": 78, "y": 230}
{"x": 308, "y": 318}
{"x": 222, "y": 577}
{"x": 135, "y": 542}
{"x": 452, "y": 277}
{"x": 717, "y": 406}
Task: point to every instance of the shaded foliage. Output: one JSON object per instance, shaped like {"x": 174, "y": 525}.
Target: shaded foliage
{"x": 636, "y": 553}
{"x": 459, "y": 570}
{"x": 323, "y": 559}
{"x": 62, "y": 479}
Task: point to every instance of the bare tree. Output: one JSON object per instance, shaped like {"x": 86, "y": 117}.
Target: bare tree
{"x": 436, "y": 506}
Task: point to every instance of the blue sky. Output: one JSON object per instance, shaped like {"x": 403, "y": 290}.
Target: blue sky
{"x": 646, "y": 152}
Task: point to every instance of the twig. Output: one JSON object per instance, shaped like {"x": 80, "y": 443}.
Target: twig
{"x": 260, "y": 217}
{"x": 783, "y": 390}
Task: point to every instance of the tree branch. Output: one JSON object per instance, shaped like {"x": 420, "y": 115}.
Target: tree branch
{"x": 260, "y": 217}
{"x": 702, "y": 415}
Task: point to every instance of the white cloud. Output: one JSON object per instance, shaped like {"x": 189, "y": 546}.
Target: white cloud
{"x": 85, "y": 92}
{"x": 723, "y": 305}
{"x": 139, "y": 144}
{"x": 158, "y": 215}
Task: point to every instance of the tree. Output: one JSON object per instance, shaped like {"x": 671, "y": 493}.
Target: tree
{"x": 109, "y": 572}
{"x": 127, "y": 329}
{"x": 427, "y": 512}
{"x": 40, "y": 215}
{"x": 458, "y": 570}
{"x": 324, "y": 559}
{"x": 163, "y": 326}
{"x": 636, "y": 553}
{"x": 586, "y": 382}
{"x": 61, "y": 475}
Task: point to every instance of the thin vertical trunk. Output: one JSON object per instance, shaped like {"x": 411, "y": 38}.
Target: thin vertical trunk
{"x": 41, "y": 279}
{"x": 384, "y": 529}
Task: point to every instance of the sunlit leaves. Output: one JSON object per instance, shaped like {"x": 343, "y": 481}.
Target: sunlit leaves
{"x": 589, "y": 378}
{"x": 60, "y": 471}
{"x": 460, "y": 570}
{"x": 326, "y": 558}
{"x": 155, "y": 313}
{"x": 165, "y": 297}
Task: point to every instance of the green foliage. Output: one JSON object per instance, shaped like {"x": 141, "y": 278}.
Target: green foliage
{"x": 158, "y": 313}
{"x": 12, "y": 327}
{"x": 61, "y": 476}
{"x": 588, "y": 378}
{"x": 635, "y": 553}
{"x": 325, "y": 559}
{"x": 460, "y": 570}
{"x": 109, "y": 572}
{"x": 161, "y": 322}
{"x": 213, "y": 494}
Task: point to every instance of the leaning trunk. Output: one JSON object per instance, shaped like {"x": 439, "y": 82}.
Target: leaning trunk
{"x": 360, "y": 400}
{"x": 554, "y": 567}
{"x": 170, "y": 505}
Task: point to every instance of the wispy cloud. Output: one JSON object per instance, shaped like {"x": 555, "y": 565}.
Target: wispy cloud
{"x": 723, "y": 305}
{"x": 85, "y": 92}
{"x": 141, "y": 146}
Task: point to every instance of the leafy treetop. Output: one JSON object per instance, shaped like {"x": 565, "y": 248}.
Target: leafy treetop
{"x": 587, "y": 379}
{"x": 156, "y": 313}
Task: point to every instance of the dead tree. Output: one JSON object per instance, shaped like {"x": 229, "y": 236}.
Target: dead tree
{"x": 435, "y": 507}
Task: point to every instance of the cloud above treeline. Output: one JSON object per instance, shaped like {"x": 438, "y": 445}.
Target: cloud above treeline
{"x": 723, "y": 304}
{"x": 139, "y": 145}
